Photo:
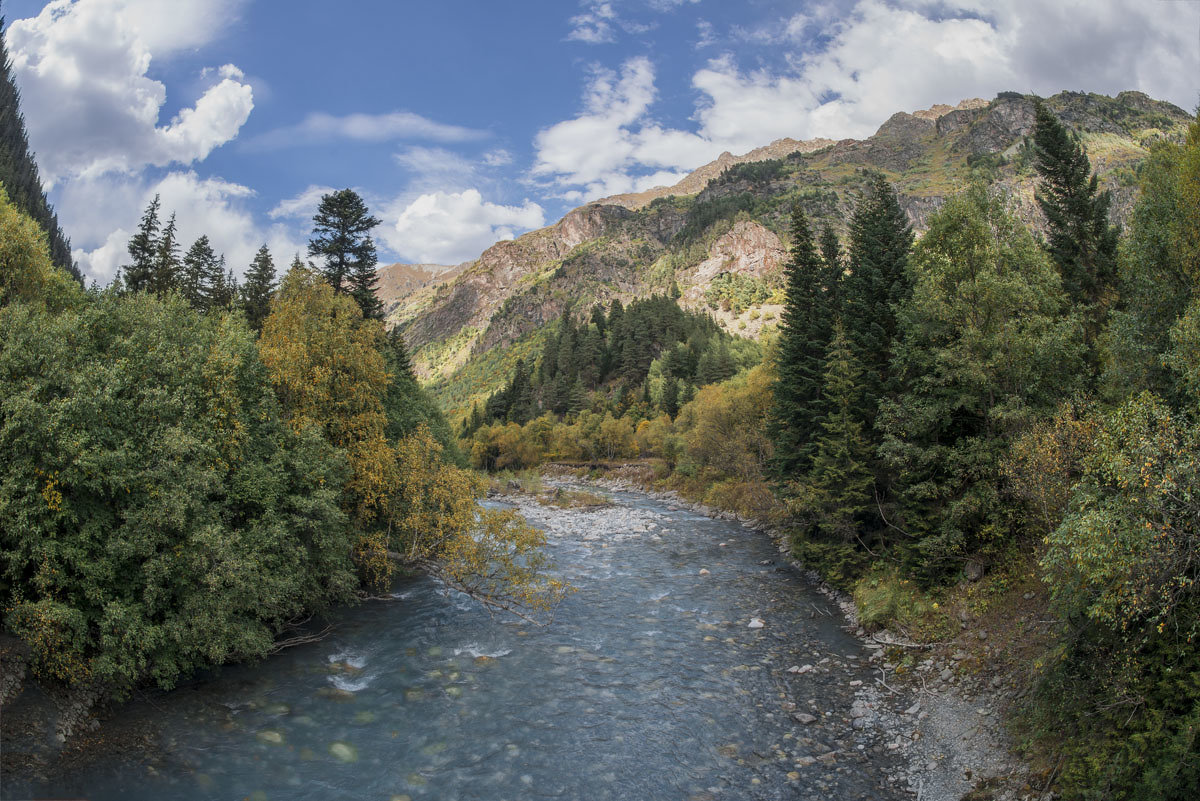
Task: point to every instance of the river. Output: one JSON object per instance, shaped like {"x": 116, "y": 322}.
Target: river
{"x": 654, "y": 682}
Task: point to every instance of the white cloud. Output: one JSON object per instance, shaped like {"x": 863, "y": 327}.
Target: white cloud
{"x": 320, "y": 127}
{"x": 202, "y": 206}
{"x": 593, "y": 26}
{"x": 89, "y": 105}
{"x": 436, "y": 167}
{"x": 880, "y": 58}
{"x": 451, "y": 227}
{"x": 497, "y": 158}
{"x": 302, "y": 206}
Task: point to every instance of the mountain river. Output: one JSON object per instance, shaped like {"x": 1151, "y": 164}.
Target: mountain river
{"x": 654, "y": 682}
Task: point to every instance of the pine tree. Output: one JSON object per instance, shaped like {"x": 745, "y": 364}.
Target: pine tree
{"x": 840, "y": 479}
{"x": 803, "y": 336}
{"x": 399, "y": 360}
{"x": 164, "y": 277}
{"x": 256, "y": 292}
{"x": 831, "y": 257}
{"x": 670, "y": 397}
{"x": 364, "y": 284}
{"x": 341, "y": 237}
{"x": 1080, "y": 239}
{"x": 686, "y": 394}
{"x": 198, "y": 265}
{"x": 19, "y": 172}
{"x": 143, "y": 248}
{"x": 880, "y": 240}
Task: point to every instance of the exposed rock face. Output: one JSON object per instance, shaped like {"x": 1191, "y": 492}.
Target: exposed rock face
{"x": 398, "y": 281}
{"x": 748, "y": 249}
{"x": 1009, "y": 117}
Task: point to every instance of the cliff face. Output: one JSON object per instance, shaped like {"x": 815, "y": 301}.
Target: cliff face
{"x": 731, "y": 216}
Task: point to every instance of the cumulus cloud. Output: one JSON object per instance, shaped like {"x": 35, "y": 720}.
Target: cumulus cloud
{"x": 319, "y": 127}
{"x": 879, "y": 58}
{"x": 89, "y": 105}
{"x": 209, "y": 206}
{"x": 451, "y": 227}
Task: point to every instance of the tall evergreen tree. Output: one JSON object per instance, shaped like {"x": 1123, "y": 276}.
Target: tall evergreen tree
{"x": 18, "y": 170}
{"x": 831, "y": 257}
{"x": 196, "y": 273}
{"x": 399, "y": 360}
{"x": 800, "y": 362}
{"x": 341, "y": 237}
{"x": 364, "y": 284}
{"x": 1080, "y": 239}
{"x": 670, "y": 397}
{"x": 880, "y": 240}
{"x": 257, "y": 290}
{"x": 143, "y": 249}
{"x": 165, "y": 275}
{"x": 840, "y": 481}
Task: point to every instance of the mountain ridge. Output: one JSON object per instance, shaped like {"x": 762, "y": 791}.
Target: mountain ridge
{"x": 606, "y": 249}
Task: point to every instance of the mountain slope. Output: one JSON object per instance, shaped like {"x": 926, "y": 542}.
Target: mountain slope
{"x": 630, "y": 246}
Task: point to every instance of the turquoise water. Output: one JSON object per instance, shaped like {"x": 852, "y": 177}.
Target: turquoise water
{"x": 649, "y": 684}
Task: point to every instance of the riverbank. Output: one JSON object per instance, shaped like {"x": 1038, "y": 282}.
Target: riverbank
{"x": 953, "y": 736}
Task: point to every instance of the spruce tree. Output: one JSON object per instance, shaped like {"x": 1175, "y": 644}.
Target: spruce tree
{"x": 880, "y": 240}
{"x": 1079, "y": 238}
{"x": 341, "y": 237}
{"x": 165, "y": 275}
{"x": 143, "y": 248}
{"x": 840, "y": 479}
{"x": 19, "y": 172}
{"x": 256, "y": 292}
{"x": 196, "y": 273}
{"x": 831, "y": 257}
{"x": 800, "y": 362}
{"x": 670, "y": 397}
{"x": 364, "y": 284}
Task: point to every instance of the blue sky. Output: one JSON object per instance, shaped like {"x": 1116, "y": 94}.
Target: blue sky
{"x": 463, "y": 122}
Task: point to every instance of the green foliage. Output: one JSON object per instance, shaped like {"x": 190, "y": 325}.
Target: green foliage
{"x": 258, "y": 288}
{"x": 736, "y": 292}
{"x": 19, "y": 173}
{"x": 26, "y": 271}
{"x": 837, "y": 492}
{"x": 987, "y": 346}
{"x": 1158, "y": 271}
{"x": 804, "y": 333}
{"x": 342, "y": 239}
{"x": 157, "y": 514}
{"x": 1080, "y": 238}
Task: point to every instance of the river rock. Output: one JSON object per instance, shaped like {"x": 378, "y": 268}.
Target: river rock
{"x": 343, "y": 752}
{"x": 704, "y": 571}
{"x": 756, "y": 623}
{"x": 805, "y": 718}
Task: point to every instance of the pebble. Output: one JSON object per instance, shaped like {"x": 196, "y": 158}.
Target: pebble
{"x": 757, "y": 623}
{"x": 704, "y": 571}
{"x": 805, "y": 718}
{"x": 946, "y": 674}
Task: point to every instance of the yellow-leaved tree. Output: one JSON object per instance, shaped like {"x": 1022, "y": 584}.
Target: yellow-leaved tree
{"x": 409, "y": 505}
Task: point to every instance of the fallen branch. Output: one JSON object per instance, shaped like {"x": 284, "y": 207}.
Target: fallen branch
{"x": 300, "y": 639}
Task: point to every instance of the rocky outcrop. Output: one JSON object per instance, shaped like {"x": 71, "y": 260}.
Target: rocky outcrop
{"x": 748, "y": 249}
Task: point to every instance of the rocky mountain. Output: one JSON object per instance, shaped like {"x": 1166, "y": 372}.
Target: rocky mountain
{"x": 398, "y": 281}
{"x": 719, "y": 235}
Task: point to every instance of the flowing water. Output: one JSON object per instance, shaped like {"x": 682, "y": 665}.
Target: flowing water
{"x": 650, "y": 684}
